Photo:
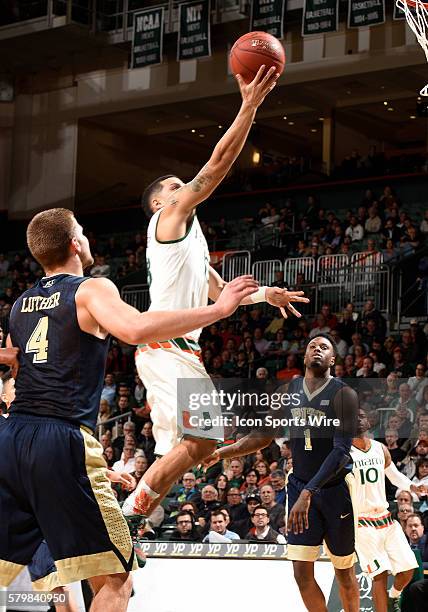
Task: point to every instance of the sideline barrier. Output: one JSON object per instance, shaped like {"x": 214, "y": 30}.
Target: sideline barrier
{"x": 181, "y": 577}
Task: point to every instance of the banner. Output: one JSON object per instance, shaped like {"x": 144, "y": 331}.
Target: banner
{"x": 194, "y": 35}
{"x": 147, "y": 42}
{"x": 398, "y": 13}
{"x": 365, "y": 13}
{"x": 268, "y": 16}
{"x": 320, "y": 16}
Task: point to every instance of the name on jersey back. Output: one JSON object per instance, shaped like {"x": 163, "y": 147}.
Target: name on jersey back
{"x": 35, "y": 303}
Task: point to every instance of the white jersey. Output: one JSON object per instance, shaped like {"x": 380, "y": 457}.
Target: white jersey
{"x": 369, "y": 472}
{"x": 178, "y": 270}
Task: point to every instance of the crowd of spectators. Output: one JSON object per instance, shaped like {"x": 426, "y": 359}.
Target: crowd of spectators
{"x": 245, "y": 498}
{"x": 379, "y": 224}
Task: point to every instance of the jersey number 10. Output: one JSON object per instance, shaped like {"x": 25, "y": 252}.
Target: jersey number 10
{"x": 371, "y": 475}
{"x": 38, "y": 341}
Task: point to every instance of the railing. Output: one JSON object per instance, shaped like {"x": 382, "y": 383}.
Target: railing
{"x": 137, "y": 296}
{"x": 331, "y": 279}
{"x": 265, "y": 271}
{"x": 101, "y": 426}
{"x": 235, "y": 264}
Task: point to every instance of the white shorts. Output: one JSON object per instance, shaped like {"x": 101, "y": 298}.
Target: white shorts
{"x": 162, "y": 371}
{"x": 383, "y": 549}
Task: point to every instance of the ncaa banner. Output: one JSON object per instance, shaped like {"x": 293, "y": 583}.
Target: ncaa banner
{"x": 320, "y": 16}
{"x": 194, "y": 34}
{"x": 365, "y": 13}
{"x": 398, "y": 13}
{"x": 147, "y": 41}
{"x": 268, "y": 16}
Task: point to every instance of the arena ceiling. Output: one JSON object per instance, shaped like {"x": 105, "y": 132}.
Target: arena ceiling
{"x": 381, "y": 105}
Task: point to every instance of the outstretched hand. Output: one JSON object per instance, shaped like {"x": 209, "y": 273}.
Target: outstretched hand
{"x": 283, "y": 298}
{"x": 420, "y": 490}
{"x": 234, "y": 292}
{"x": 255, "y": 92}
{"x": 126, "y": 480}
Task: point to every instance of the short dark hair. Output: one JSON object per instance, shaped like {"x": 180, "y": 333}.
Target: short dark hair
{"x": 327, "y": 337}
{"x": 150, "y": 191}
{"x": 185, "y": 513}
{"x": 49, "y": 234}
{"x": 277, "y": 474}
{"x": 259, "y": 508}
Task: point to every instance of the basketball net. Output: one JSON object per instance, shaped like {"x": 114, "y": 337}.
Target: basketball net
{"x": 416, "y": 13}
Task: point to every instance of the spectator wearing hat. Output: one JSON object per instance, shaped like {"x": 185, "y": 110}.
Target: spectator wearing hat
{"x": 263, "y": 532}
{"x": 243, "y": 526}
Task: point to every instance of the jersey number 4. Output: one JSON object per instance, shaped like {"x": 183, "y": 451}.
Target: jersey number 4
{"x": 38, "y": 341}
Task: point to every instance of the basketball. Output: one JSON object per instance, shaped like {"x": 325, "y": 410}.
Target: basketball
{"x": 253, "y": 50}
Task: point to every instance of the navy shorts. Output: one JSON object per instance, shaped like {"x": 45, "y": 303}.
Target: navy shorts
{"x": 42, "y": 569}
{"x": 54, "y": 487}
{"x": 331, "y": 520}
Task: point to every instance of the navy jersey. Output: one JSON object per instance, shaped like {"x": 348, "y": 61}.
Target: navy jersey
{"x": 61, "y": 367}
{"x": 310, "y": 444}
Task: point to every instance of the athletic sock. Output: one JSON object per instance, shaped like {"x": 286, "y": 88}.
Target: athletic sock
{"x": 393, "y": 593}
{"x": 148, "y": 490}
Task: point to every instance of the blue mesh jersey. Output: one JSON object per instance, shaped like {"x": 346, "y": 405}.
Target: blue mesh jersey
{"x": 61, "y": 367}
{"x": 311, "y": 443}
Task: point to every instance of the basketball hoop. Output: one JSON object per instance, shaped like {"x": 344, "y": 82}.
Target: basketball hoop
{"x": 416, "y": 13}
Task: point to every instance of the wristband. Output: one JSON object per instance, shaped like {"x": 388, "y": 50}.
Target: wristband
{"x": 259, "y": 295}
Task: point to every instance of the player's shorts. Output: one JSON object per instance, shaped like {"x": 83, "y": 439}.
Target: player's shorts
{"x": 160, "y": 366}
{"x": 382, "y": 546}
{"x": 54, "y": 487}
{"x": 42, "y": 570}
{"x": 331, "y": 520}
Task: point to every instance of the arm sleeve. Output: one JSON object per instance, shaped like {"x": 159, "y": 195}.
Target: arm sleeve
{"x": 398, "y": 479}
{"x": 346, "y": 408}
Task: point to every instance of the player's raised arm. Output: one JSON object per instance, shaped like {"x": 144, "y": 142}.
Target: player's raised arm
{"x": 398, "y": 479}
{"x": 275, "y": 296}
{"x": 184, "y": 199}
{"x": 98, "y": 301}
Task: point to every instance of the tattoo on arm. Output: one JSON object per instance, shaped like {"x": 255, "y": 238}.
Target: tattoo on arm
{"x": 200, "y": 181}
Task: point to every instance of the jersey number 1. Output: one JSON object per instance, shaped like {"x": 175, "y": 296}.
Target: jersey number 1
{"x": 308, "y": 441}
{"x": 38, "y": 341}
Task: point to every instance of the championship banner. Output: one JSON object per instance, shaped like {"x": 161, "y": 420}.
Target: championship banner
{"x": 194, "y": 34}
{"x": 365, "y": 13}
{"x": 398, "y": 13}
{"x": 147, "y": 42}
{"x": 268, "y": 16}
{"x": 320, "y": 16}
